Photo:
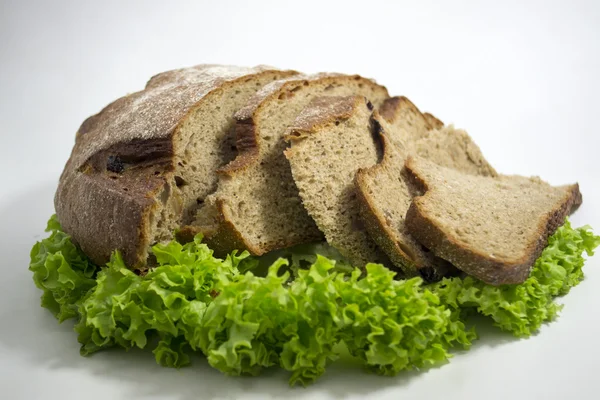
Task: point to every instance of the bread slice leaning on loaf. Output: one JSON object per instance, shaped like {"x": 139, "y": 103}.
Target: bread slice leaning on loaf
{"x": 256, "y": 206}
{"x": 140, "y": 166}
{"x": 329, "y": 141}
{"x": 493, "y": 228}
{"x": 385, "y": 195}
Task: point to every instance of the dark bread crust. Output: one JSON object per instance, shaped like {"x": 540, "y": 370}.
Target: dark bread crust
{"x": 389, "y": 107}
{"x": 81, "y": 197}
{"x": 471, "y": 260}
{"x": 324, "y": 111}
{"x": 373, "y": 219}
{"x": 247, "y": 148}
{"x": 225, "y": 236}
{"x": 121, "y": 167}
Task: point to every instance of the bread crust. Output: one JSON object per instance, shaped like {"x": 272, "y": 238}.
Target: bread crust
{"x": 471, "y": 260}
{"x": 323, "y": 112}
{"x": 390, "y": 106}
{"x": 101, "y": 216}
{"x": 121, "y": 167}
{"x": 247, "y": 136}
{"x": 433, "y": 121}
{"x": 389, "y": 110}
{"x": 374, "y": 220}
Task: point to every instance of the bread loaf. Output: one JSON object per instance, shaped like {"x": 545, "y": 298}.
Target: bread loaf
{"x": 140, "y": 166}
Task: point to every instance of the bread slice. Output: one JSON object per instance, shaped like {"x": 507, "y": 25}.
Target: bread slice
{"x": 406, "y": 124}
{"x": 385, "y": 195}
{"x": 491, "y": 228}
{"x": 425, "y": 135}
{"x": 453, "y": 148}
{"x": 329, "y": 141}
{"x": 256, "y": 206}
{"x": 141, "y": 165}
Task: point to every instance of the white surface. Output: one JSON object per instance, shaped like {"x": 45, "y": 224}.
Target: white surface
{"x": 521, "y": 78}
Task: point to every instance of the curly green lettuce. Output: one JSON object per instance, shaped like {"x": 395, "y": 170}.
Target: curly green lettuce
{"x": 61, "y": 271}
{"x": 307, "y": 303}
{"x": 522, "y": 309}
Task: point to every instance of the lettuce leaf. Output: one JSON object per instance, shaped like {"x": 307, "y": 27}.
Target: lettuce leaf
{"x": 522, "y": 309}
{"x": 291, "y": 309}
{"x": 61, "y": 271}
{"x": 395, "y": 325}
{"x": 299, "y": 257}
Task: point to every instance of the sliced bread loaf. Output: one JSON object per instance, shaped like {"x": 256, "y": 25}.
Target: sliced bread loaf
{"x": 256, "y": 206}
{"x": 329, "y": 141}
{"x": 141, "y": 165}
{"x": 384, "y": 193}
{"x": 491, "y": 228}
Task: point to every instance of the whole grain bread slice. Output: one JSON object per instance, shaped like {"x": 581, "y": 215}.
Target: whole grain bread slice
{"x": 491, "y": 228}
{"x": 257, "y": 206}
{"x": 385, "y": 194}
{"x": 140, "y": 166}
{"x": 329, "y": 141}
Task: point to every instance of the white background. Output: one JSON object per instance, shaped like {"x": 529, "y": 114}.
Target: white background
{"x": 520, "y": 76}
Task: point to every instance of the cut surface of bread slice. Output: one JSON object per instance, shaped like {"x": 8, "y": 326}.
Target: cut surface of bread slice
{"x": 384, "y": 193}
{"x": 256, "y": 206}
{"x": 491, "y": 228}
{"x": 329, "y": 141}
{"x": 141, "y": 165}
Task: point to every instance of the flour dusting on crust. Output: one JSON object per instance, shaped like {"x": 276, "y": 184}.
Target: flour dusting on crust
{"x": 154, "y": 112}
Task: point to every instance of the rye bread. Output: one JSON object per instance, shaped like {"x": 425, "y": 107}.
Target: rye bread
{"x": 406, "y": 124}
{"x": 493, "y": 228}
{"x": 385, "y": 194}
{"x": 329, "y": 141}
{"x": 257, "y": 206}
{"x": 140, "y": 166}
{"x": 432, "y": 121}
